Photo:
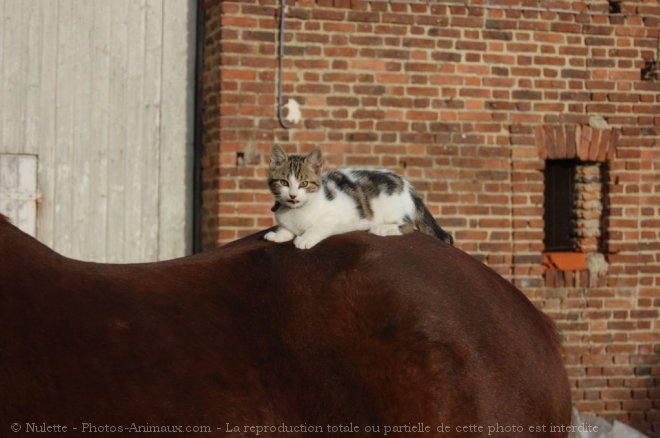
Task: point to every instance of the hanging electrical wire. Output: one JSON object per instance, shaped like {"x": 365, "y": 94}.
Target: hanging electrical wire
{"x": 280, "y": 67}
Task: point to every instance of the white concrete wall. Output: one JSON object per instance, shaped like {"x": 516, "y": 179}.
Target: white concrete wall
{"x": 101, "y": 91}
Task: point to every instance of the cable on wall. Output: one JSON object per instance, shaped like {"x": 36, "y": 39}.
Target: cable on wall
{"x": 284, "y": 121}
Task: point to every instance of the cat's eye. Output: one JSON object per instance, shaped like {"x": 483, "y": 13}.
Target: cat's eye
{"x": 284, "y": 182}
{"x": 304, "y": 184}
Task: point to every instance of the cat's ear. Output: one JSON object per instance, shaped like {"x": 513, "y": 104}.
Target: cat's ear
{"x": 278, "y": 157}
{"x": 314, "y": 160}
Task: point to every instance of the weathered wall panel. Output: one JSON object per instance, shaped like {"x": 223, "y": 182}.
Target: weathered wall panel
{"x": 87, "y": 85}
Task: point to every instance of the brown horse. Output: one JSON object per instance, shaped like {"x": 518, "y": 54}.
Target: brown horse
{"x": 360, "y": 335}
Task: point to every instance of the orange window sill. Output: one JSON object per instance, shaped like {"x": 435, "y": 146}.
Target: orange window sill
{"x": 565, "y": 261}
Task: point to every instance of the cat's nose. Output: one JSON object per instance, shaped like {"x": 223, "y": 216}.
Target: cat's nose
{"x": 292, "y": 196}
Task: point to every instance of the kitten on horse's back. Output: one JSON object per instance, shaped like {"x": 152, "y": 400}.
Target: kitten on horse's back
{"x": 311, "y": 206}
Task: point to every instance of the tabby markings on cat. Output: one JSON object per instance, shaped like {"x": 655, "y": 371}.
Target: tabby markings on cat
{"x": 311, "y": 206}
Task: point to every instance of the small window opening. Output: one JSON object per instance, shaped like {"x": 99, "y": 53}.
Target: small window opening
{"x": 574, "y": 204}
{"x": 559, "y": 195}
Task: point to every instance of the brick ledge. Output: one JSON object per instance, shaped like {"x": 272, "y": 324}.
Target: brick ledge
{"x": 574, "y": 269}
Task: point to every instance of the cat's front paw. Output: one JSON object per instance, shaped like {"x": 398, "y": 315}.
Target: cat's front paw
{"x": 386, "y": 230}
{"x": 305, "y": 242}
{"x": 279, "y": 236}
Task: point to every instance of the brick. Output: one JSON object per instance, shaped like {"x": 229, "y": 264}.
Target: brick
{"x": 391, "y": 78}
{"x": 583, "y": 143}
{"x": 603, "y": 145}
{"x": 258, "y": 36}
{"x": 497, "y": 35}
{"x": 234, "y": 21}
{"x": 398, "y": 19}
{"x": 467, "y": 22}
{"x": 527, "y": 95}
{"x": 246, "y": 75}
{"x": 560, "y": 139}
{"x": 363, "y": 16}
{"x": 571, "y": 134}
{"x": 549, "y": 60}
{"x": 471, "y": 45}
{"x": 499, "y": 59}
{"x": 594, "y": 144}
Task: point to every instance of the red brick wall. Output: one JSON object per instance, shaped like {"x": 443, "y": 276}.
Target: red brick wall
{"x": 461, "y": 100}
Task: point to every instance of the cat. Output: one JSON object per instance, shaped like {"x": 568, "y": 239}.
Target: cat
{"x": 311, "y": 206}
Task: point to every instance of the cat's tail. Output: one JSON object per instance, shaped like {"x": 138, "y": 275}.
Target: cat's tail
{"x": 425, "y": 222}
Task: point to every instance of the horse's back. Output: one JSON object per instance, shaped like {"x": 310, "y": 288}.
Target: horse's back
{"x": 360, "y": 329}
{"x": 411, "y": 330}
